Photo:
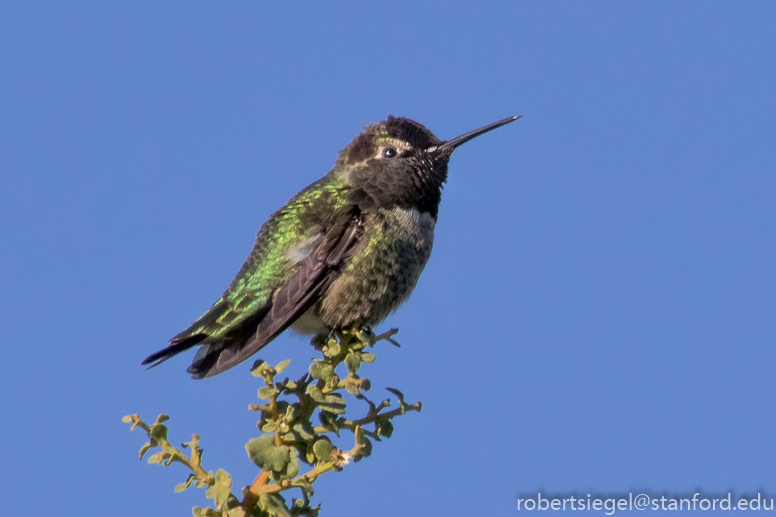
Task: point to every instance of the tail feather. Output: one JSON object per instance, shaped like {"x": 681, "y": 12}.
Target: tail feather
{"x": 230, "y": 350}
{"x": 203, "y": 362}
{"x": 174, "y": 348}
{"x": 212, "y": 360}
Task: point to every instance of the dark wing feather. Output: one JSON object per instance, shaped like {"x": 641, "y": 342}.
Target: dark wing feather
{"x": 187, "y": 339}
{"x": 303, "y": 290}
{"x": 162, "y": 355}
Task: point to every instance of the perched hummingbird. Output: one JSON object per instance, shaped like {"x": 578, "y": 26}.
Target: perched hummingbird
{"x": 348, "y": 249}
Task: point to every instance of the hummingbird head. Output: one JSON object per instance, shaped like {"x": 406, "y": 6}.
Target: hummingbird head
{"x": 399, "y": 163}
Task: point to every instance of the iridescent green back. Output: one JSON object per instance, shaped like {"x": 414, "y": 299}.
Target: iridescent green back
{"x": 268, "y": 266}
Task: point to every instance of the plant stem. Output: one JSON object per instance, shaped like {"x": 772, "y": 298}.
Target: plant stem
{"x": 252, "y": 497}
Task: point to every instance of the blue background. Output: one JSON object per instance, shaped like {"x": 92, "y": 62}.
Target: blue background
{"x": 598, "y": 312}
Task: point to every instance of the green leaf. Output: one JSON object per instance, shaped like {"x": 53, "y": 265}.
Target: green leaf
{"x": 367, "y": 357}
{"x": 386, "y": 429}
{"x": 307, "y": 489}
{"x": 291, "y": 468}
{"x": 292, "y": 411}
{"x": 180, "y": 487}
{"x": 257, "y": 370}
{"x": 263, "y": 452}
{"x": 323, "y": 449}
{"x": 282, "y": 425}
{"x": 134, "y": 420}
{"x": 320, "y": 370}
{"x": 333, "y": 403}
{"x": 315, "y": 393}
{"x": 158, "y": 432}
{"x": 329, "y": 420}
{"x": 223, "y": 494}
{"x": 274, "y": 505}
{"x": 223, "y": 478}
{"x": 303, "y": 431}
{"x": 220, "y": 491}
{"x": 267, "y": 393}
{"x": 366, "y": 450}
{"x": 144, "y": 449}
{"x": 353, "y": 362}
{"x": 365, "y": 335}
{"x": 303, "y": 508}
{"x": 353, "y": 390}
{"x": 282, "y": 365}
{"x": 282, "y": 406}
{"x": 236, "y": 512}
{"x": 280, "y": 461}
{"x": 333, "y": 348}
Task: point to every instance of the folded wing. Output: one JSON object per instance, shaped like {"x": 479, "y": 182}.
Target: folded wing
{"x": 311, "y": 279}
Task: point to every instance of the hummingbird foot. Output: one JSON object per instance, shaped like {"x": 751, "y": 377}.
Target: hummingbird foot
{"x": 362, "y": 334}
{"x": 320, "y": 341}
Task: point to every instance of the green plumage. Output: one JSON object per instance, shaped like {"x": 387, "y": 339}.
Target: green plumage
{"x": 268, "y": 266}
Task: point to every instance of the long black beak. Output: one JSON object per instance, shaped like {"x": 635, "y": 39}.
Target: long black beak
{"x": 455, "y": 142}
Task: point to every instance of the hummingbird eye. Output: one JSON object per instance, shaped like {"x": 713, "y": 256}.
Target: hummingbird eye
{"x": 389, "y": 152}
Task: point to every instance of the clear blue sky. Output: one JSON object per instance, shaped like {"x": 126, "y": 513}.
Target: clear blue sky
{"x": 598, "y": 312}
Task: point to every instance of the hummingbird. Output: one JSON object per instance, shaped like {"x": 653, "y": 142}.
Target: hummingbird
{"x": 346, "y": 250}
